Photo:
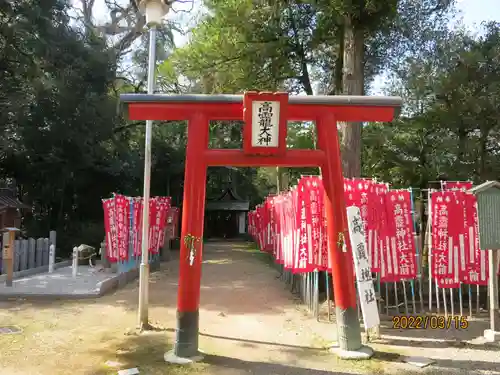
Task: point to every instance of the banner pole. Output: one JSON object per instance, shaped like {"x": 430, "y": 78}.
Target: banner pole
{"x": 429, "y": 249}
{"x": 418, "y": 256}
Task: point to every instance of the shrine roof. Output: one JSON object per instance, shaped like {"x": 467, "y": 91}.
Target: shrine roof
{"x": 7, "y": 202}
{"x": 339, "y": 100}
{"x": 227, "y": 201}
{"x": 485, "y": 186}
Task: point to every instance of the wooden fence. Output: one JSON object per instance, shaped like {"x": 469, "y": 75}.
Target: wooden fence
{"x": 31, "y": 253}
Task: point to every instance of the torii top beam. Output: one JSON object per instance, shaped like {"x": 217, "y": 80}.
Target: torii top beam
{"x": 162, "y": 107}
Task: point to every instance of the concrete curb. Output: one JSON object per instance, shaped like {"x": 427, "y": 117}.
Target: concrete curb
{"x": 104, "y": 287}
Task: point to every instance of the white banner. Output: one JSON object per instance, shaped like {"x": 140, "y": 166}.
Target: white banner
{"x": 366, "y": 291}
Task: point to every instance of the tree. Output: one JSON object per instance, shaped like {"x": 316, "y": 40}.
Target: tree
{"x": 383, "y": 27}
{"x": 340, "y": 45}
{"x": 56, "y": 115}
{"x": 449, "y": 124}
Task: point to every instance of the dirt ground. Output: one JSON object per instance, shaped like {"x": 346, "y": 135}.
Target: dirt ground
{"x": 249, "y": 322}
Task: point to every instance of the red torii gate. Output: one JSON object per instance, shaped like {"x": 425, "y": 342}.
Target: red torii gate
{"x": 265, "y": 116}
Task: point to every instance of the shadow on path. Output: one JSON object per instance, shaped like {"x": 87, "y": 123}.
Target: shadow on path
{"x": 233, "y": 366}
{"x": 146, "y": 353}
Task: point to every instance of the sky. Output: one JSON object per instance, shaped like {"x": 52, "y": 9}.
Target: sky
{"x": 476, "y": 11}
{"x": 185, "y": 13}
{"x": 473, "y": 11}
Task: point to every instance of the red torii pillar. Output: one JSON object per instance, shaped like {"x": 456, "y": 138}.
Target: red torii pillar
{"x": 264, "y": 145}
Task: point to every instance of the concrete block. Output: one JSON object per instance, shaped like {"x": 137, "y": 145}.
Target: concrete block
{"x": 491, "y": 336}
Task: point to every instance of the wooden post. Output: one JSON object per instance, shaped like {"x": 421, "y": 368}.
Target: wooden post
{"x": 9, "y": 237}
{"x": 7, "y": 258}
{"x": 493, "y": 286}
{"x": 17, "y": 254}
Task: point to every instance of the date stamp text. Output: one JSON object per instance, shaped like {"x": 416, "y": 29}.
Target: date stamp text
{"x": 432, "y": 322}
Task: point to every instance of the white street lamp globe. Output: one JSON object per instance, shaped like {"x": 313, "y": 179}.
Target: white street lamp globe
{"x": 154, "y": 10}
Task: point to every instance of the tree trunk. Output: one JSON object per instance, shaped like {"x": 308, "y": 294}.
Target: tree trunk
{"x": 339, "y": 63}
{"x": 462, "y": 142}
{"x": 282, "y": 180}
{"x": 353, "y": 83}
{"x": 423, "y": 185}
{"x": 279, "y": 178}
{"x": 483, "y": 155}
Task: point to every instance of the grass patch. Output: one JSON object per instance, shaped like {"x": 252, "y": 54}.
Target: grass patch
{"x": 144, "y": 351}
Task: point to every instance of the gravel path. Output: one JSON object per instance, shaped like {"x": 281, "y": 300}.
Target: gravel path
{"x": 249, "y": 324}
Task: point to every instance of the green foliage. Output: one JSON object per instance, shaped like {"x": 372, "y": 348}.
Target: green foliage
{"x": 56, "y": 115}
{"x": 450, "y": 125}
{"x": 245, "y": 45}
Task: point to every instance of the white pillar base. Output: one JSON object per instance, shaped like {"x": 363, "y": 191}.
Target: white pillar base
{"x": 365, "y": 352}
{"x": 170, "y": 357}
{"x": 491, "y": 336}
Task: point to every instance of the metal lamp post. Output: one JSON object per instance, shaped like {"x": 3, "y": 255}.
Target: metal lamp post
{"x": 154, "y": 10}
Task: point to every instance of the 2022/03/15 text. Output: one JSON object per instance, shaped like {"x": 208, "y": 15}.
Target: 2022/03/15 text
{"x": 432, "y": 322}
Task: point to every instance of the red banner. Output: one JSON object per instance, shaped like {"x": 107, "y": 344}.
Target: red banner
{"x": 108, "y": 206}
{"x": 285, "y": 231}
{"x": 324, "y": 235}
{"x": 124, "y": 230}
{"x": 476, "y": 260}
{"x": 152, "y": 214}
{"x": 137, "y": 226}
{"x": 383, "y": 233}
{"x": 317, "y": 194}
{"x": 293, "y": 228}
{"x": 279, "y": 230}
{"x": 351, "y": 194}
{"x": 401, "y": 255}
{"x": 303, "y": 258}
{"x": 389, "y": 254}
{"x": 447, "y": 224}
{"x": 306, "y": 193}
{"x": 162, "y": 221}
{"x": 367, "y": 201}
{"x": 260, "y": 226}
{"x": 122, "y": 208}
{"x": 361, "y": 193}
{"x": 173, "y": 222}
{"x": 251, "y": 224}
{"x": 473, "y": 263}
{"x": 266, "y": 221}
